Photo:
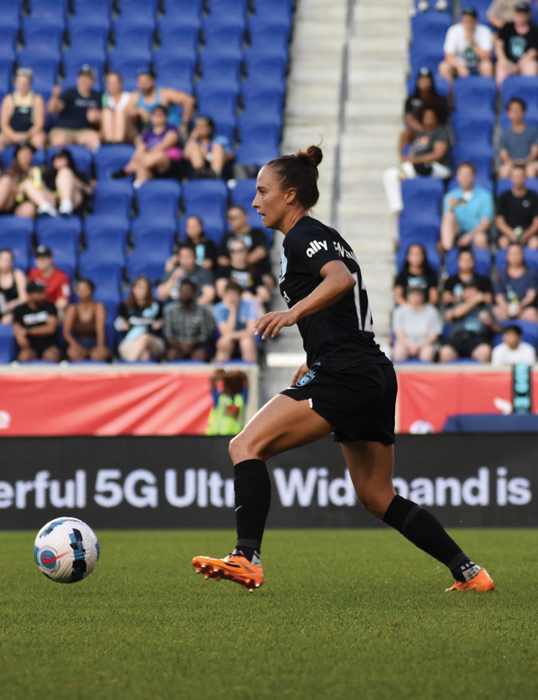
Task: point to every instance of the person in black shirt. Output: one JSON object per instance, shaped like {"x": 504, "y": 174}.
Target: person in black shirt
{"x": 206, "y": 250}
{"x": 347, "y": 385}
{"x": 424, "y": 92}
{"x": 35, "y": 327}
{"x": 517, "y": 213}
{"x": 416, "y": 272}
{"x": 454, "y": 285}
{"x": 517, "y": 46}
{"x": 79, "y": 112}
{"x": 140, "y": 316}
{"x": 70, "y": 185}
{"x": 251, "y": 282}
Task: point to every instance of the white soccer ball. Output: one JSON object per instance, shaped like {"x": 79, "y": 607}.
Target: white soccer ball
{"x": 66, "y": 550}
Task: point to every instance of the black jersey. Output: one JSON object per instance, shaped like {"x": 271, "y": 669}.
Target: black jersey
{"x": 341, "y": 335}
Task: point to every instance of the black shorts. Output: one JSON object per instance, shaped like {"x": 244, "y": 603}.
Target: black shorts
{"x": 465, "y": 343}
{"x": 359, "y": 403}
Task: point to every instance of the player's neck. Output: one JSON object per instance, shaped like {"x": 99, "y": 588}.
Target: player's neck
{"x": 291, "y": 219}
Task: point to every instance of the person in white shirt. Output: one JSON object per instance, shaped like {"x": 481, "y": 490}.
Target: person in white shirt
{"x": 513, "y": 350}
{"x": 468, "y": 46}
{"x": 417, "y": 327}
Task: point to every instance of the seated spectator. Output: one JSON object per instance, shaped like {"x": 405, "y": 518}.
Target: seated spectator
{"x": 235, "y": 318}
{"x": 518, "y": 145}
{"x": 513, "y": 350}
{"x": 22, "y": 191}
{"x": 56, "y": 282}
{"x": 205, "y": 249}
{"x": 454, "y": 285}
{"x": 468, "y": 212}
{"x": 501, "y": 11}
{"x": 12, "y": 286}
{"x": 144, "y": 100}
{"x": 516, "y": 288}
{"x": 517, "y": 213}
{"x": 35, "y": 327}
{"x": 115, "y": 126}
{"x": 141, "y": 317}
{"x": 185, "y": 267}
{"x": 23, "y": 114}
{"x": 188, "y": 327}
{"x": 467, "y": 48}
{"x": 206, "y": 152}
{"x": 230, "y": 393}
{"x": 241, "y": 272}
{"x": 157, "y": 149}
{"x": 417, "y": 326}
{"x": 472, "y": 328}
{"x": 67, "y": 182}
{"x": 429, "y": 154}
{"x": 79, "y": 112}
{"x": 517, "y": 46}
{"x": 416, "y": 272}
{"x": 424, "y": 92}
{"x": 84, "y": 326}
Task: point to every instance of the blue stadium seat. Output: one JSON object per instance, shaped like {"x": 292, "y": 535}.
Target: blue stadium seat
{"x": 481, "y": 180}
{"x": 138, "y": 264}
{"x": 226, "y": 42}
{"x": 233, "y": 20}
{"x": 424, "y": 232}
{"x": 66, "y": 227}
{"x": 475, "y": 97}
{"x": 7, "y": 345}
{"x": 137, "y": 13}
{"x": 183, "y": 13}
{"x": 483, "y": 163}
{"x": 130, "y": 38}
{"x": 262, "y": 106}
{"x": 523, "y": 87}
{"x": 92, "y": 13}
{"x": 432, "y": 254}
{"x": 505, "y": 184}
{"x": 113, "y": 197}
{"x": 158, "y": 198}
{"x": 221, "y": 108}
{"x": 223, "y": 73}
{"x": 153, "y": 227}
{"x": 6, "y": 71}
{"x": 207, "y": 199}
{"x": 482, "y": 264}
{"x": 423, "y": 198}
{"x": 16, "y": 235}
{"x": 270, "y": 42}
{"x": 259, "y": 144}
{"x": 267, "y": 16}
{"x": 267, "y": 75}
{"x": 6, "y": 157}
{"x": 8, "y": 41}
{"x": 11, "y": 14}
{"x": 106, "y": 226}
{"x": 106, "y": 277}
{"x": 155, "y": 248}
{"x": 473, "y": 138}
{"x": 530, "y": 255}
{"x": 529, "y": 331}
{"x": 181, "y": 42}
{"x": 88, "y": 38}
{"x": 45, "y": 70}
{"x": 127, "y": 65}
{"x": 425, "y": 57}
{"x": 14, "y": 224}
{"x": 243, "y": 195}
{"x": 175, "y": 74}
{"x": 49, "y": 12}
{"x": 108, "y": 249}
{"x": 45, "y": 39}
{"x": 441, "y": 85}
{"x": 111, "y": 158}
{"x": 81, "y": 155}
{"x": 430, "y": 27}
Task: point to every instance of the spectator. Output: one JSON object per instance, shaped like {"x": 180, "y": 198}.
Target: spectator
{"x": 424, "y": 5}
{"x": 141, "y": 317}
{"x": 188, "y": 327}
{"x": 518, "y": 144}
{"x": 70, "y": 184}
{"x": 517, "y": 46}
{"x": 454, "y": 285}
{"x": 148, "y": 96}
{"x": 56, "y": 282}
{"x": 517, "y": 213}
{"x": 157, "y": 149}
{"x": 205, "y": 249}
{"x": 84, "y": 326}
{"x": 513, "y": 350}
{"x": 185, "y": 267}
{"x": 23, "y": 114}
{"x": 235, "y": 319}
{"x": 425, "y": 92}
{"x": 428, "y": 155}
{"x": 501, "y": 11}
{"x": 116, "y": 127}
{"x": 22, "y": 192}
{"x": 35, "y": 327}
{"x": 230, "y": 393}
{"x": 417, "y": 326}
{"x": 472, "y": 328}
{"x": 467, "y": 48}
{"x": 239, "y": 270}
{"x": 516, "y": 288}
{"x": 416, "y": 272}
{"x": 12, "y": 286}
{"x": 79, "y": 112}
{"x": 468, "y": 212}
{"x": 206, "y": 152}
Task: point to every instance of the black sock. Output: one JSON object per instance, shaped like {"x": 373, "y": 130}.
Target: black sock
{"x": 247, "y": 552}
{"x": 426, "y": 532}
{"x": 252, "y": 501}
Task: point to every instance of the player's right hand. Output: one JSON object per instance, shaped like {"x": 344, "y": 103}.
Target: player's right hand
{"x": 303, "y": 369}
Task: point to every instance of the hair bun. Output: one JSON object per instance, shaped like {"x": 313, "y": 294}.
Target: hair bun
{"x": 313, "y": 154}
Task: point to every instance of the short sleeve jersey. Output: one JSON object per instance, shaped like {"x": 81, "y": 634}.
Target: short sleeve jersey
{"x": 340, "y": 336}
{"x": 31, "y": 318}
{"x": 73, "y": 115}
{"x": 457, "y": 44}
{"x": 425, "y": 141}
{"x": 57, "y": 286}
{"x": 515, "y": 288}
{"x": 516, "y": 45}
{"x": 518, "y": 144}
{"x": 425, "y": 281}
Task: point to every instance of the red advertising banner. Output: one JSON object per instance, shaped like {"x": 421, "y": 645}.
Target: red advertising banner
{"x": 104, "y": 404}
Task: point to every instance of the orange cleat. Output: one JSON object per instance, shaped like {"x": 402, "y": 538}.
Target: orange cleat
{"x": 481, "y": 582}
{"x": 233, "y": 568}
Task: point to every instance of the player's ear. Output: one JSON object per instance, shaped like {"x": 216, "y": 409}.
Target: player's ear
{"x": 291, "y": 195}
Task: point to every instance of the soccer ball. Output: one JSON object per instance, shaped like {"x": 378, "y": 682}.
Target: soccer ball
{"x": 66, "y": 550}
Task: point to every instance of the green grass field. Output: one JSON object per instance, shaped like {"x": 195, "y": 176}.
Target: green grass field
{"x": 342, "y": 615}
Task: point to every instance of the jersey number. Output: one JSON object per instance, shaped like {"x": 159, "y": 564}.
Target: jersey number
{"x": 366, "y": 323}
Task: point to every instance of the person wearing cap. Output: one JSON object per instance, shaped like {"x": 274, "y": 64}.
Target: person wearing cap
{"x": 517, "y": 46}
{"x": 22, "y": 114}
{"x": 513, "y": 350}
{"x": 56, "y": 282}
{"x": 454, "y": 285}
{"x": 35, "y": 327}
{"x": 116, "y": 127}
{"x": 518, "y": 145}
{"x": 501, "y": 11}
{"x": 206, "y": 151}
{"x": 424, "y": 92}
{"x": 468, "y": 46}
{"x": 22, "y": 191}
{"x": 516, "y": 288}
{"x": 472, "y": 327}
{"x": 77, "y": 111}
{"x": 417, "y": 326}
{"x": 148, "y": 96}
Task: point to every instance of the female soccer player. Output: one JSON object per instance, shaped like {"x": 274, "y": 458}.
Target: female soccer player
{"x": 347, "y": 386}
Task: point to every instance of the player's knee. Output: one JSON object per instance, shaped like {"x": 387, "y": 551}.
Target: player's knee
{"x": 243, "y": 447}
{"x": 375, "y": 501}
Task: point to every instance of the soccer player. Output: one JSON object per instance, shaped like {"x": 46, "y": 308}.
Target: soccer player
{"x": 347, "y": 386}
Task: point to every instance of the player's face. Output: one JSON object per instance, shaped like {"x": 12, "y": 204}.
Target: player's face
{"x": 270, "y": 202}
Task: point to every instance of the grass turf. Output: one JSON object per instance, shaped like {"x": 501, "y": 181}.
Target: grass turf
{"x": 342, "y": 615}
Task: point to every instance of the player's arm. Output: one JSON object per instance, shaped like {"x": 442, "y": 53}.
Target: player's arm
{"x": 337, "y": 281}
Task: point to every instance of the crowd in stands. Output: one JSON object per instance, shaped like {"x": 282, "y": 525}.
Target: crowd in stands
{"x": 131, "y": 132}
{"x": 466, "y": 189}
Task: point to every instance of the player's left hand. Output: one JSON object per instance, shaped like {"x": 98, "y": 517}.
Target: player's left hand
{"x": 271, "y": 323}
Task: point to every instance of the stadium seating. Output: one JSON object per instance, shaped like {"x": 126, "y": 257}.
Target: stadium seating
{"x": 482, "y": 265}
{"x": 243, "y": 195}
{"x": 106, "y": 277}
{"x": 113, "y": 197}
{"x": 423, "y": 198}
{"x": 16, "y": 235}
{"x": 158, "y": 198}
{"x": 11, "y": 14}
{"x": 432, "y": 254}
{"x": 7, "y": 344}
{"x": 185, "y": 13}
{"x": 111, "y": 158}
{"x": 259, "y": 145}
{"x": 81, "y": 155}
{"x": 207, "y": 199}
{"x": 475, "y": 98}
{"x": 106, "y": 227}
{"x": 505, "y": 184}
{"x": 530, "y": 255}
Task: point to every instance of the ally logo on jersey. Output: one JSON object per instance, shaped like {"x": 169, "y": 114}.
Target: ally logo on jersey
{"x": 316, "y": 246}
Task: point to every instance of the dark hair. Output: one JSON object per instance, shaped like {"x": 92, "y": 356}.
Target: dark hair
{"x": 428, "y": 105}
{"x": 64, "y": 153}
{"x": 300, "y": 171}
{"x": 206, "y": 120}
{"x": 162, "y": 108}
{"x": 425, "y": 264}
{"x": 519, "y": 102}
{"x": 8, "y": 250}
{"x": 90, "y": 284}
{"x": 187, "y": 246}
{"x": 466, "y": 249}
{"x": 233, "y": 286}
{"x": 131, "y": 300}
{"x": 514, "y": 329}
{"x": 518, "y": 166}
{"x": 466, "y": 164}
{"x": 115, "y": 72}
{"x": 189, "y": 282}
{"x": 237, "y": 206}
